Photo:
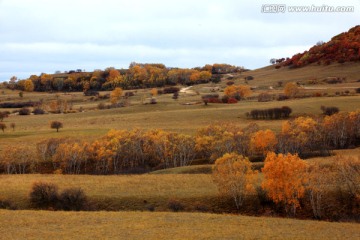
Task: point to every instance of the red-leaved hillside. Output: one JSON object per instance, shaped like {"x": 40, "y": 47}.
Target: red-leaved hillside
{"x": 344, "y": 47}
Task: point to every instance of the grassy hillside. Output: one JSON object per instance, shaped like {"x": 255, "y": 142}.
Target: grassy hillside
{"x": 269, "y": 76}
{"x": 138, "y": 225}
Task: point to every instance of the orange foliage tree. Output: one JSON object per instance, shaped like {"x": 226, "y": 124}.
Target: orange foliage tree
{"x": 284, "y": 180}
{"x": 239, "y": 92}
{"x": 115, "y": 95}
{"x": 291, "y": 89}
{"x": 263, "y": 142}
{"x": 234, "y": 177}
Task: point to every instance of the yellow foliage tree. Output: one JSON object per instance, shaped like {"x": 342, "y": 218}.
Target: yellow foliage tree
{"x": 154, "y": 92}
{"x": 239, "y": 92}
{"x": 28, "y": 86}
{"x": 234, "y": 177}
{"x": 291, "y": 89}
{"x": 284, "y": 180}
{"x": 72, "y": 157}
{"x": 115, "y": 95}
{"x": 301, "y": 135}
{"x": 263, "y": 141}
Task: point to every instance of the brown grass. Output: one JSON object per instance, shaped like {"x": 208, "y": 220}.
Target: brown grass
{"x": 138, "y": 225}
{"x": 131, "y": 192}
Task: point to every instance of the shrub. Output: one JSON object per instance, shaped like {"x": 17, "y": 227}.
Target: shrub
{"x": 271, "y": 113}
{"x": 249, "y": 78}
{"x": 73, "y": 199}
{"x": 5, "y": 204}
{"x": 24, "y": 111}
{"x": 232, "y": 100}
{"x": 357, "y": 90}
{"x": 264, "y": 97}
{"x": 175, "y": 95}
{"x": 129, "y": 94}
{"x": 282, "y": 97}
{"x": 2, "y": 126}
{"x": 38, "y": 111}
{"x": 175, "y": 205}
{"x": 229, "y": 83}
{"x": 44, "y": 195}
{"x": 102, "y": 106}
{"x": 18, "y": 104}
{"x": 225, "y": 99}
{"x": 211, "y": 98}
{"x": 171, "y": 90}
{"x": 328, "y": 111}
{"x": 153, "y": 100}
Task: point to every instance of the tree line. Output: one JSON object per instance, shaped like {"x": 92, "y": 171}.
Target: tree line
{"x": 121, "y": 151}
{"x": 138, "y": 75}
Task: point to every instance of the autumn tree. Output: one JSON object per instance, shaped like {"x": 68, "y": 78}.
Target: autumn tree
{"x": 215, "y": 140}
{"x": 154, "y": 92}
{"x": 318, "y": 179}
{"x": 115, "y": 95}
{"x": 234, "y": 177}
{"x": 348, "y": 176}
{"x": 284, "y": 180}
{"x": 263, "y": 141}
{"x": 239, "y": 92}
{"x": 291, "y": 89}
{"x": 13, "y": 125}
{"x": 29, "y": 85}
{"x": 56, "y": 125}
{"x": 71, "y": 157}
{"x": 302, "y": 135}
{"x": 18, "y": 160}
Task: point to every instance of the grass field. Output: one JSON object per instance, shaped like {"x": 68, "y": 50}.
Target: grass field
{"x": 139, "y": 225}
{"x": 131, "y": 192}
{"x": 167, "y": 114}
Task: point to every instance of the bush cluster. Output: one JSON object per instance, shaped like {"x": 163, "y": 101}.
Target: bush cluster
{"x": 170, "y": 90}
{"x": 328, "y": 111}
{"x": 271, "y": 113}
{"x": 18, "y": 104}
{"x": 46, "y": 196}
{"x": 24, "y": 111}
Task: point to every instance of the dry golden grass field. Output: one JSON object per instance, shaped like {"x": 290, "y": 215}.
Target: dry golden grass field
{"x": 140, "y": 225}
{"x": 124, "y": 192}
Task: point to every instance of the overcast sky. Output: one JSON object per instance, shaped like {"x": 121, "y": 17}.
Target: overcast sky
{"x": 49, "y": 35}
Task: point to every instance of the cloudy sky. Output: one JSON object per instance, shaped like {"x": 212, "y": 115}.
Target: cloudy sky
{"x": 49, "y": 35}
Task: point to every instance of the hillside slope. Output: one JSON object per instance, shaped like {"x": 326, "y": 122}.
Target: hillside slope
{"x": 310, "y": 74}
{"x": 344, "y": 47}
